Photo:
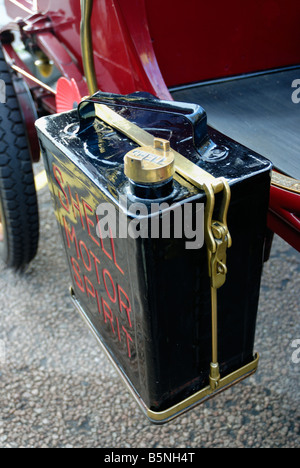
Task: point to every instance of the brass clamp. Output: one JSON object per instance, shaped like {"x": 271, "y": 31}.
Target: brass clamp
{"x": 218, "y": 240}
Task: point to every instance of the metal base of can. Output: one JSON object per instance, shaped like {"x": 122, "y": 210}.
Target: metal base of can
{"x": 192, "y": 401}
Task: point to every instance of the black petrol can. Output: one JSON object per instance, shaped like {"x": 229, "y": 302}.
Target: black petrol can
{"x": 140, "y": 276}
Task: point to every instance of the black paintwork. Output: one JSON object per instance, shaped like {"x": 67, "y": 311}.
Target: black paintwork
{"x": 167, "y": 285}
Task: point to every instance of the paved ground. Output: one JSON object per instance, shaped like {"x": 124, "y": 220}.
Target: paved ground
{"x": 58, "y": 390}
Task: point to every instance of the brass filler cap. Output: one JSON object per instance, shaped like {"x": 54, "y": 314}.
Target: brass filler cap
{"x": 150, "y": 164}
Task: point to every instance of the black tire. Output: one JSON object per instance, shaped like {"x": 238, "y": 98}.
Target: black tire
{"x": 19, "y": 219}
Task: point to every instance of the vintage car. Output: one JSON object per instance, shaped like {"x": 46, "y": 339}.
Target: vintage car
{"x": 214, "y": 91}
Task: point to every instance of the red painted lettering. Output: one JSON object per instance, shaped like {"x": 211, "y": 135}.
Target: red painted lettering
{"x": 90, "y": 290}
{"x": 113, "y": 296}
{"x": 89, "y": 222}
{"x": 101, "y": 240}
{"x": 98, "y": 303}
{"x": 124, "y": 305}
{"x": 76, "y": 206}
{"x": 96, "y": 263}
{"x": 107, "y": 314}
{"x": 114, "y": 252}
{"x": 88, "y": 263}
{"x": 71, "y": 236}
{"x": 77, "y": 277}
{"x": 59, "y": 179}
{"x": 128, "y": 339}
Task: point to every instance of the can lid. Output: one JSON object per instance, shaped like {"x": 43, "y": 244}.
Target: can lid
{"x": 150, "y": 164}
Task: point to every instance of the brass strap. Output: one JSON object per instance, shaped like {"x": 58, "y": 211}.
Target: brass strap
{"x": 218, "y": 240}
{"x": 217, "y": 235}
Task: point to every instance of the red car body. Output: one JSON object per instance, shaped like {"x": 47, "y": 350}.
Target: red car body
{"x": 152, "y": 45}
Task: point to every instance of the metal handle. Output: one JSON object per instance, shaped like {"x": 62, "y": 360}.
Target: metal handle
{"x": 218, "y": 240}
